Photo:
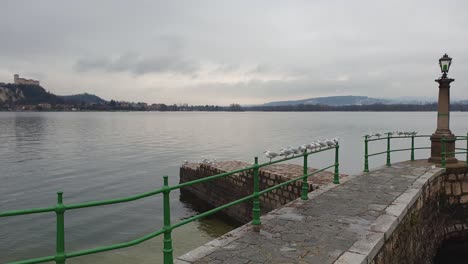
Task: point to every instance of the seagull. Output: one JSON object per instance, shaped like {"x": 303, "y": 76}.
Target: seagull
{"x": 378, "y": 134}
{"x": 311, "y": 146}
{"x": 322, "y": 143}
{"x": 303, "y": 148}
{"x": 336, "y": 140}
{"x": 330, "y": 143}
{"x": 294, "y": 150}
{"x": 285, "y": 152}
{"x": 390, "y": 133}
{"x": 270, "y": 154}
{"x": 414, "y": 133}
{"x": 186, "y": 162}
{"x": 400, "y": 133}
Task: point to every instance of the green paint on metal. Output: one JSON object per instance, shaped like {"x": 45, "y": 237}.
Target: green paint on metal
{"x": 167, "y": 251}
{"x": 366, "y": 154}
{"x": 305, "y": 185}
{"x": 256, "y": 199}
{"x": 412, "y": 148}
{"x": 388, "y": 150}
{"x": 60, "y": 256}
{"x": 336, "y": 178}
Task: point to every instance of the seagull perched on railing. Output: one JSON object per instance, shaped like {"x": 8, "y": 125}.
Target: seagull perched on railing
{"x": 285, "y": 152}
{"x": 303, "y": 148}
{"x": 271, "y": 155}
{"x": 378, "y": 134}
{"x": 330, "y": 143}
{"x": 294, "y": 151}
{"x": 322, "y": 143}
{"x": 311, "y": 146}
{"x": 336, "y": 140}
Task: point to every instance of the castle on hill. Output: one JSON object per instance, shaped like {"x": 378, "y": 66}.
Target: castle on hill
{"x": 19, "y": 80}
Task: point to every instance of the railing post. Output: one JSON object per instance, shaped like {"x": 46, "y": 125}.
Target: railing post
{"x": 305, "y": 185}
{"x": 444, "y": 154}
{"x": 167, "y": 251}
{"x": 336, "y": 178}
{"x": 256, "y": 199}
{"x": 60, "y": 256}
{"x": 366, "y": 154}
{"x": 388, "y": 150}
{"x": 412, "y": 147}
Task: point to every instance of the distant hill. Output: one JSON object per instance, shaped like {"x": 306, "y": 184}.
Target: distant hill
{"x": 83, "y": 98}
{"x": 332, "y": 101}
{"x": 34, "y": 94}
{"x": 27, "y": 94}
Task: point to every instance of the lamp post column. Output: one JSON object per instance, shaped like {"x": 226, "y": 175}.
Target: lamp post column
{"x": 443, "y": 125}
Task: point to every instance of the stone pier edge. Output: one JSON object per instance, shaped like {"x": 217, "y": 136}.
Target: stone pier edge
{"x": 362, "y": 251}
{"x": 366, "y": 248}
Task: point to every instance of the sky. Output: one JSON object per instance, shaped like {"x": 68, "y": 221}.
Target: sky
{"x": 223, "y": 52}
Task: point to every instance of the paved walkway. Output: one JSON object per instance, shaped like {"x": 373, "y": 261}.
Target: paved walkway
{"x": 319, "y": 230}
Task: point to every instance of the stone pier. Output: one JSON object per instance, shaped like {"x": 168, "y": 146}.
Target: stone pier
{"x": 397, "y": 214}
{"x": 224, "y": 190}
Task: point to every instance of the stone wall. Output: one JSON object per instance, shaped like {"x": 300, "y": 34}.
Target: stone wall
{"x": 227, "y": 189}
{"x": 438, "y": 213}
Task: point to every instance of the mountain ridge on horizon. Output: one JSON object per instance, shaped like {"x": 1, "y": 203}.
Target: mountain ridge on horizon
{"x": 344, "y": 100}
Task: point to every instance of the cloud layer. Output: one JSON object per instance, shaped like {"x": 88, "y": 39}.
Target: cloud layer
{"x": 221, "y": 52}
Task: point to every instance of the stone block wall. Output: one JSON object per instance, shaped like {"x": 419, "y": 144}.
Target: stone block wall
{"x": 227, "y": 189}
{"x": 439, "y": 213}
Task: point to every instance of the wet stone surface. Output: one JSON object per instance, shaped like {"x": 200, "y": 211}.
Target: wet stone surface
{"x": 321, "y": 229}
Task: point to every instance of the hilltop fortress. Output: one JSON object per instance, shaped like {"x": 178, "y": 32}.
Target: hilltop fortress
{"x": 19, "y": 80}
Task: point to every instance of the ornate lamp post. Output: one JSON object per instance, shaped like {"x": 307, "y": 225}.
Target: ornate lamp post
{"x": 443, "y": 116}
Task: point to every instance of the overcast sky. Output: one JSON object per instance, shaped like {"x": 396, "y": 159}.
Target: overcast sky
{"x": 221, "y": 52}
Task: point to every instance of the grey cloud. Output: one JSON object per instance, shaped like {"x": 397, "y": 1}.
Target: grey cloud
{"x": 316, "y": 42}
{"x": 138, "y": 65}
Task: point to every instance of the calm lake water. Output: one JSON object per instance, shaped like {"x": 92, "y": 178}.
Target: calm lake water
{"x": 93, "y": 156}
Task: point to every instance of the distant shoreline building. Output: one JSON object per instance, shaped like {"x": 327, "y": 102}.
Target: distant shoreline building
{"x": 19, "y": 80}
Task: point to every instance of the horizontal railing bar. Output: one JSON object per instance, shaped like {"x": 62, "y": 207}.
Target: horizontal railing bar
{"x": 293, "y": 180}
{"x": 378, "y": 153}
{"x": 464, "y": 152}
{"x": 115, "y": 246}
{"x": 27, "y": 211}
{"x": 113, "y": 201}
{"x": 35, "y": 260}
{"x": 212, "y": 211}
{"x": 293, "y": 157}
{"x": 384, "y": 137}
{"x": 395, "y": 150}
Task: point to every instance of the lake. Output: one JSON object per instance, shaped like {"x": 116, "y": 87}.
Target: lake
{"x": 101, "y": 155}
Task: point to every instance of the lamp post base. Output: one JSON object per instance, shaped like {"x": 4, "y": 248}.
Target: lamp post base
{"x": 436, "y": 147}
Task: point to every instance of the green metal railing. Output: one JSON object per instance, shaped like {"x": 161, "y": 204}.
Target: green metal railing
{"x": 445, "y": 153}
{"x": 60, "y": 208}
{"x": 388, "y": 138}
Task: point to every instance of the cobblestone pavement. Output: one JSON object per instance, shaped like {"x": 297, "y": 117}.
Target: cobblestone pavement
{"x": 318, "y": 230}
